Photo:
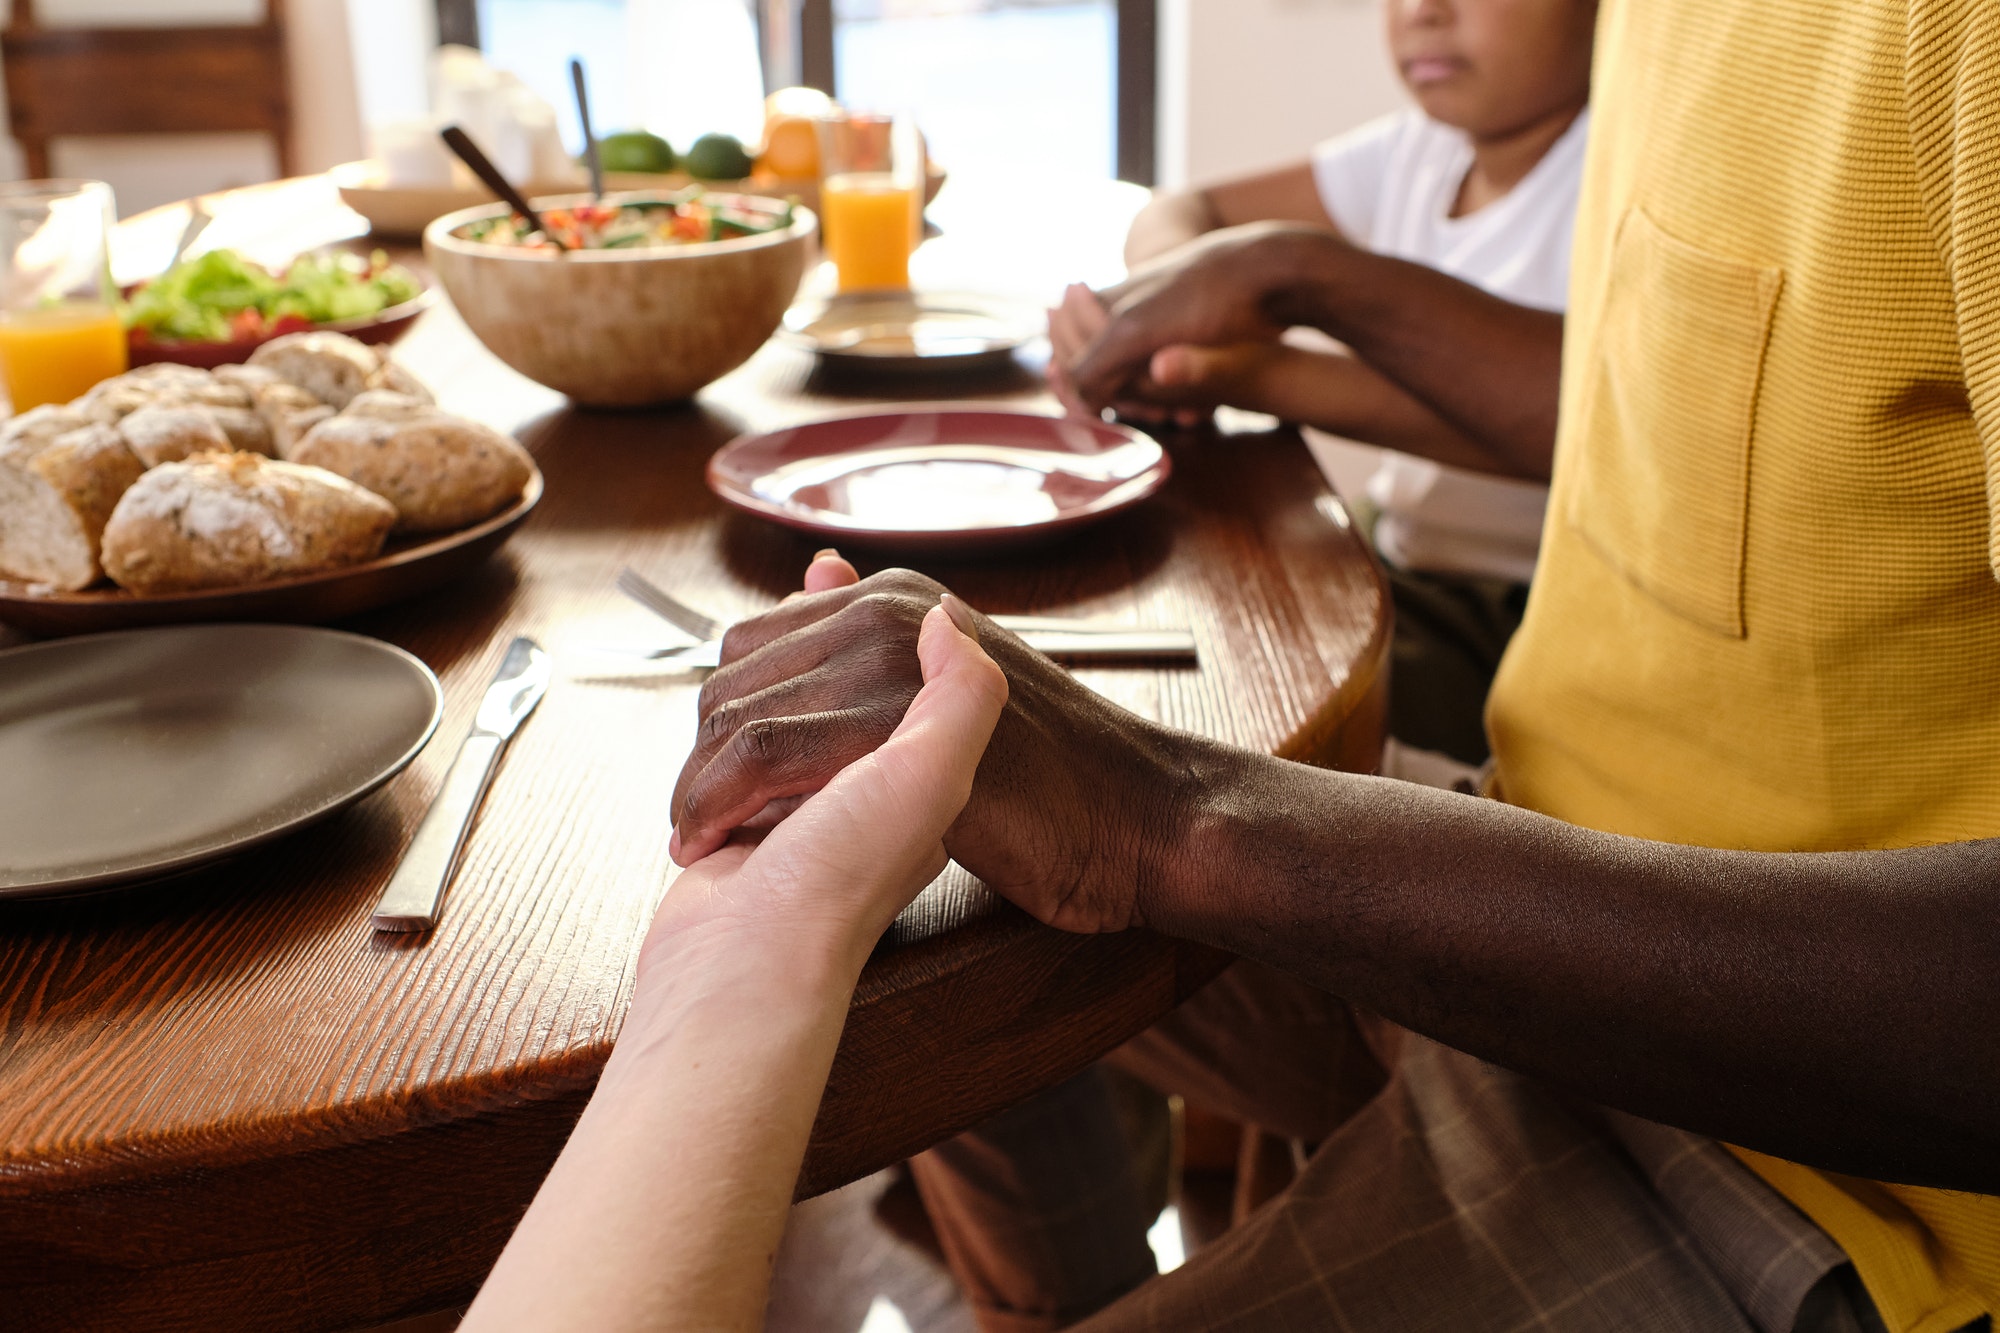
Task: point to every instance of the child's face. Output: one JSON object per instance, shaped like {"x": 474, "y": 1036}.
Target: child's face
{"x": 1489, "y": 67}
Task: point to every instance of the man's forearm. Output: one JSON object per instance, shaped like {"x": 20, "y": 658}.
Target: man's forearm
{"x": 1830, "y": 1009}
{"x": 1489, "y": 367}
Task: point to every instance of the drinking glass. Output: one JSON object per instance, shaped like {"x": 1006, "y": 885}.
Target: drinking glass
{"x": 59, "y": 326}
{"x": 871, "y": 198}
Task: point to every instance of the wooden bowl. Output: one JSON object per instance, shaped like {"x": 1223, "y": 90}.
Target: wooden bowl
{"x": 395, "y": 211}
{"x": 805, "y": 189}
{"x": 622, "y": 328}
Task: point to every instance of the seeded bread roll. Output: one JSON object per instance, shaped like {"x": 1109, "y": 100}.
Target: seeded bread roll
{"x": 332, "y": 367}
{"x": 169, "y": 434}
{"x": 55, "y": 499}
{"x": 234, "y": 519}
{"x": 440, "y": 471}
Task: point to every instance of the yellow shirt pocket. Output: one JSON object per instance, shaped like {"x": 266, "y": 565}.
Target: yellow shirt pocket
{"x": 1662, "y": 480}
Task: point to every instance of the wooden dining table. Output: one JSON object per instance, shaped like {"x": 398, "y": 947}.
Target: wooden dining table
{"x": 227, "y": 1103}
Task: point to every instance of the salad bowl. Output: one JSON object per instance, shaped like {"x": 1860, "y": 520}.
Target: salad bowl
{"x": 623, "y": 327}
{"x": 204, "y": 297}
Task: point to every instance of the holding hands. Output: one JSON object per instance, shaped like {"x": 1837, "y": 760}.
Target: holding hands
{"x": 1072, "y": 812}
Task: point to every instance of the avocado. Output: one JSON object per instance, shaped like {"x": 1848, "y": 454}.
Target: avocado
{"x": 717, "y": 157}
{"x": 636, "y": 150}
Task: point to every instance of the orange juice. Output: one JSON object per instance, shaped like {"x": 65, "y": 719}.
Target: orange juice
{"x": 54, "y": 354}
{"x": 871, "y": 223}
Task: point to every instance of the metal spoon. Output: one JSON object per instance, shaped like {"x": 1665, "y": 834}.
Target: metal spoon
{"x": 590, "y": 155}
{"x": 468, "y": 152}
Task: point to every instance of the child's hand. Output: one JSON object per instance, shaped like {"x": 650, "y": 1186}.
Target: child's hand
{"x": 1073, "y": 327}
{"x": 1188, "y": 378}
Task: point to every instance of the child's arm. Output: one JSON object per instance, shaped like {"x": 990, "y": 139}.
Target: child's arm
{"x": 1289, "y": 194}
{"x": 1330, "y": 390}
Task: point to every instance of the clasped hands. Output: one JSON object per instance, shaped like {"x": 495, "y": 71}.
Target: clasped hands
{"x": 1194, "y": 330}
{"x": 1072, "y": 810}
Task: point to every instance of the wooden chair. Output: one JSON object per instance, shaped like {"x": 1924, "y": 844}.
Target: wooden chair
{"x": 86, "y": 81}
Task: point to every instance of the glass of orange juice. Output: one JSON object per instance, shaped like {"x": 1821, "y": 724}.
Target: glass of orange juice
{"x": 59, "y": 327}
{"x": 871, "y": 198}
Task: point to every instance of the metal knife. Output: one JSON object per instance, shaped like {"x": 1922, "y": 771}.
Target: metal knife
{"x": 1152, "y": 645}
{"x": 416, "y": 890}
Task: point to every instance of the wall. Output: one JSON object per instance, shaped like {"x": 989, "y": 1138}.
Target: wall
{"x": 1246, "y": 84}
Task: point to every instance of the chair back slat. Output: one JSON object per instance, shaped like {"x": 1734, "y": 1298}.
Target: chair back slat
{"x": 65, "y": 82}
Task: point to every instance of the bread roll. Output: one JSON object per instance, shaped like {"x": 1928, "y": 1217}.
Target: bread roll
{"x": 440, "y": 471}
{"x": 169, "y": 434}
{"x": 247, "y": 378}
{"x": 115, "y": 399}
{"x": 38, "y": 427}
{"x": 332, "y": 367}
{"x": 235, "y": 519}
{"x": 288, "y": 412}
{"x": 385, "y": 405}
{"x": 396, "y": 379}
{"x": 246, "y": 430}
{"x": 54, "y": 502}
{"x": 162, "y": 385}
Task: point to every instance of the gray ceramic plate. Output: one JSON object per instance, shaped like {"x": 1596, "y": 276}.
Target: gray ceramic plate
{"x": 133, "y": 756}
{"x": 913, "y": 331}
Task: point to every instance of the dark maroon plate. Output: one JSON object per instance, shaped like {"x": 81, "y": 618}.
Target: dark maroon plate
{"x": 385, "y": 327}
{"x": 939, "y": 478}
{"x": 404, "y": 570}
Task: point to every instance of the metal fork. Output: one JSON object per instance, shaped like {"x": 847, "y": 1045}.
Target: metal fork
{"x": 669, "y": 607}
{"x": 707, "y": 628}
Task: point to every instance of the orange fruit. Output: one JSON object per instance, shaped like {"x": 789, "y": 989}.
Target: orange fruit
{"x": 805, "y": 103}
{"x": 791, "y": 148}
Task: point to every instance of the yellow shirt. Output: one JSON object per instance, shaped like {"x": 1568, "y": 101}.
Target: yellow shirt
{"x": 1766, "y": 614}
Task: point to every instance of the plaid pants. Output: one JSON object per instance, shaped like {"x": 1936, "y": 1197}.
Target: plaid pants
{"x": 1446, "y": 1193}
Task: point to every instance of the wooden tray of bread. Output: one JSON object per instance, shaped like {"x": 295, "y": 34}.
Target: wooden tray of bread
{"x": 316, "y": 482}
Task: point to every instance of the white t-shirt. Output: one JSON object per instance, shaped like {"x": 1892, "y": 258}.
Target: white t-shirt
{"x": 1390, "y": 186}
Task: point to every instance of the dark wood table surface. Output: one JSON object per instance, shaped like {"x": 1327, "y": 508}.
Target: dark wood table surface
{"x": 226, "y": 1103}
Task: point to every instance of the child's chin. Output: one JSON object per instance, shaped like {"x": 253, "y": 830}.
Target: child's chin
{"x": 1449, "y": 101}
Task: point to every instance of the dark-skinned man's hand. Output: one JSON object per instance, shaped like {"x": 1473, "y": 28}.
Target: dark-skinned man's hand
{"x": 1073, "y": 806}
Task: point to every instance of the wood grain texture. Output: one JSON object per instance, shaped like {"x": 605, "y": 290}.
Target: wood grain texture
{"x": 225, "y": 1103}
{"x": 156, "y": 80}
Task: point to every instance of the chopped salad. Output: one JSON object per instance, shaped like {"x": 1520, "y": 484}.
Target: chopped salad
{"x": 689, "y": 219}
{"x": 221, "y": 297}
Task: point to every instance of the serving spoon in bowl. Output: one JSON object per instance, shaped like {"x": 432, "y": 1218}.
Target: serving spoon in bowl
{"x": 591, "y": 156}
{"x": 468, "y": 152}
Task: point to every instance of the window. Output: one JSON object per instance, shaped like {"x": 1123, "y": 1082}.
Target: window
{"x": 1005, "y": 89}
{"x": 1019, "y": 87}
